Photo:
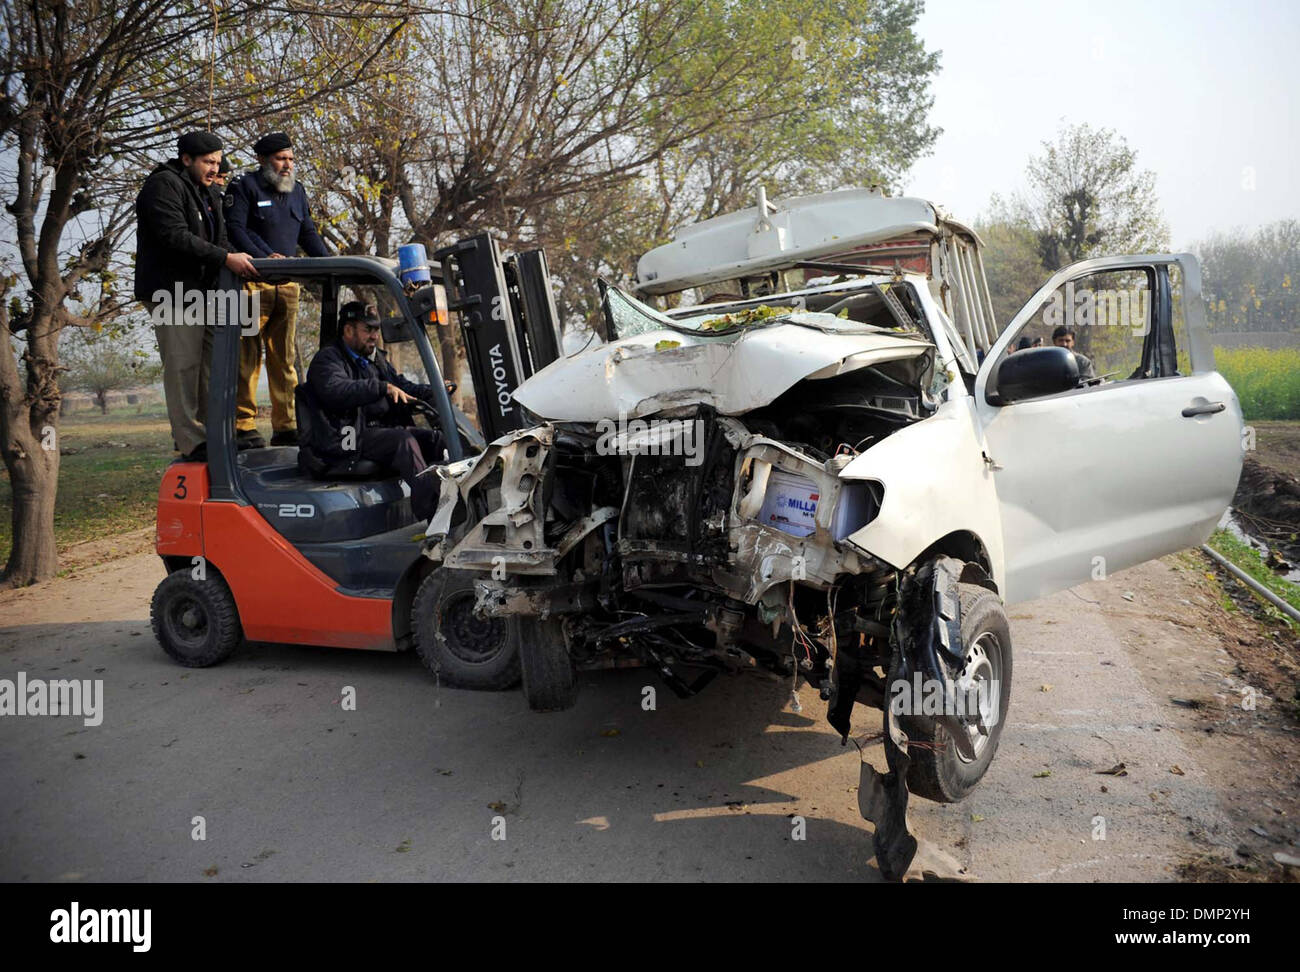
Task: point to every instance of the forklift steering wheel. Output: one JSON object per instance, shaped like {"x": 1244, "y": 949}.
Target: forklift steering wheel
{"x": 421, "y": 407}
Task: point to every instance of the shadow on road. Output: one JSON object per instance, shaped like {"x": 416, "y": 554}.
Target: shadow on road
{"x": 416, "y": 781}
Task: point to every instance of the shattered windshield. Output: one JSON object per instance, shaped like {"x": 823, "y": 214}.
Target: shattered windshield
{"x": 628, "y": 317}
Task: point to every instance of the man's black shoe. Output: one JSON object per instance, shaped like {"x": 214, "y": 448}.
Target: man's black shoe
{"x": 198, "y": 454}
{"x": 285, "y": 437}
{"x": 249, "y": 439}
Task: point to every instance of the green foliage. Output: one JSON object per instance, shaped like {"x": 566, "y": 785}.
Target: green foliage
{"x": 1251, "y": 281}
{"x": 1086, "y": 198}
{"x": 1266, "y": 381}
{"x": 108, "y": 478}
{"x": 106, "y": 362}
{"x": 617, "y": 122}
{"x": 1248, "y": 559}
{"x": 1011, "y": 266}
{"x": 745, "y": 318}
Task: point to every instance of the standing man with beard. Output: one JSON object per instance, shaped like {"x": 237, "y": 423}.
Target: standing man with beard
{"x": 268, "y": 217}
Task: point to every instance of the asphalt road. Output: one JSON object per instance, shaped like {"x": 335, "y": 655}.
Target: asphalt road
{"x": 412, "y": 784}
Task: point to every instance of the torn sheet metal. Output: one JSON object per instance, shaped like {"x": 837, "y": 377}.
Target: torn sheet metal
{"x": 511, "y": 534}
{"x": 731, "y": 373}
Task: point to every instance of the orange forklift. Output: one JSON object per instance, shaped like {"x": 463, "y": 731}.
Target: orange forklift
{"x": 268, "y": 545}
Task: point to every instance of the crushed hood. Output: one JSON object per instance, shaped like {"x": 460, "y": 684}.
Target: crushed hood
{"x": 732, "y": 373}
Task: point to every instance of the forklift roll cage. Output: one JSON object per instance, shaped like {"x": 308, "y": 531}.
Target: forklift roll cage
{"x": 289, "y": 558}
{"x": 507, "y": 314}
{"x": 331, "y": 273}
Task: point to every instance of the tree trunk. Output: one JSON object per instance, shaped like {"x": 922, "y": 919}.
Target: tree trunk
{"x": 34, "y": 556}
{"x": 30, "y": 445}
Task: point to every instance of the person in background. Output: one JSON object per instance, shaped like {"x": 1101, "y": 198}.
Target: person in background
{"x": 1063, "y": 337}
{"x": 269, "y": 217}
{"x": 223, "y": 176}
{"x": 181, "y": 246}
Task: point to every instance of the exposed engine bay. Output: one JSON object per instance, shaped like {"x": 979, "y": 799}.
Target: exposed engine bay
{"x": 697, "y": 535}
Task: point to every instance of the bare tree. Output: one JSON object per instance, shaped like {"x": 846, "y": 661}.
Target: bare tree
{"x": 1252, "y": 279}
{"x": 594, "y": 128}
{"x": 104, "y": 363}
{"x": 1087, "y": 197}
{"x": 90, "y": 93}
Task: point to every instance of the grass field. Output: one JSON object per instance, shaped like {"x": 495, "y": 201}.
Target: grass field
{"x": 108, "y": 480}
{"x": 1267, "y": 381}
{"x": 1248, "y": 559}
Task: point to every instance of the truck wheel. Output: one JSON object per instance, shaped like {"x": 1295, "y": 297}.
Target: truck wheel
{"x": 550, "y": 682}
{"x": 941, "y": 773}
{"x": 196, "y": 622}
{"x": 463, "y": 650}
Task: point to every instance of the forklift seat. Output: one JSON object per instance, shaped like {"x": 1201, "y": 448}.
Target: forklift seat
{"x": 310, "y": 418}
{"x": 304, "y": 509}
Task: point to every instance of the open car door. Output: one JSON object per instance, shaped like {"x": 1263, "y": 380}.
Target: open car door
{"x": 1139, "y": 461}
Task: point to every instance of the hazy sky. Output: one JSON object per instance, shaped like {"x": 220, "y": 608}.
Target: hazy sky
{"x": 1204, "y": 92}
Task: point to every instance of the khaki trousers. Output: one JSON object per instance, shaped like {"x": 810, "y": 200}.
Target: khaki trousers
{"x": 186, "y": 352}
{"x": 278, "y": 317}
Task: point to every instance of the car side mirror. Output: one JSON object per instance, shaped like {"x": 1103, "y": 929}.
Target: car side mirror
{"x": 1033, "y": 373}
{"x": 395, "y": 330}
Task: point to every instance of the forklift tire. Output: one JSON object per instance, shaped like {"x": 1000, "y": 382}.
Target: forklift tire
{"x": 550, "y": 682}
{"x": 938, "y": 772}
{"x": 462, "y": 650}
{"x": 195, "y": 621}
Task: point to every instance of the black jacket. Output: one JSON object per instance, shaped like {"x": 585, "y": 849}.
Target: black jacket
{"x": 174, "y": 243}
{"x": 262, "y": 221}
{"x": 348, "y": 395}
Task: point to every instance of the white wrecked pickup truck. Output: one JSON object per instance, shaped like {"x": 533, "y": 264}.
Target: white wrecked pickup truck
{"x": 814, "y": 472}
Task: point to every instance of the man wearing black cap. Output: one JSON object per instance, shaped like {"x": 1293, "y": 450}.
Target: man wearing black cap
{"x": 269, "y": 217}
{"x": 366, "y": 410}
{"x": 223, "y": 176}
{"x": 180, "y": 248}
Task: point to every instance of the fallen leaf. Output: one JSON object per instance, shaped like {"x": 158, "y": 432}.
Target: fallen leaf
{"x": 976, "y": 817}
{"x": 1045, "y": 688}
{"x": 1042, "y": 773}
{"x": 609, "y": 733}
{"x": 1116, "y": 770}
{"x": 699, "y": 763}
{"x": 1127, "y": 595}
{"x": 210, "y": 872}
{"x": 499, "y": 807}
{"x": 1177, "y": 770}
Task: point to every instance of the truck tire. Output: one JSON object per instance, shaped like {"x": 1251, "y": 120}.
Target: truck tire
{"x": 463, "y": 650}
{"x": 550, "y": 681}
{"x": 941, "y": 773}
{"x": 195, "y": 621}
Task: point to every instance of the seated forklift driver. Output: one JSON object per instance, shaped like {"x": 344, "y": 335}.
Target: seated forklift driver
{"x": 366, "y": 406}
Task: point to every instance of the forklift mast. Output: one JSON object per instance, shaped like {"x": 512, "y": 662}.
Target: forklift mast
{"x": 509, "y": 322}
